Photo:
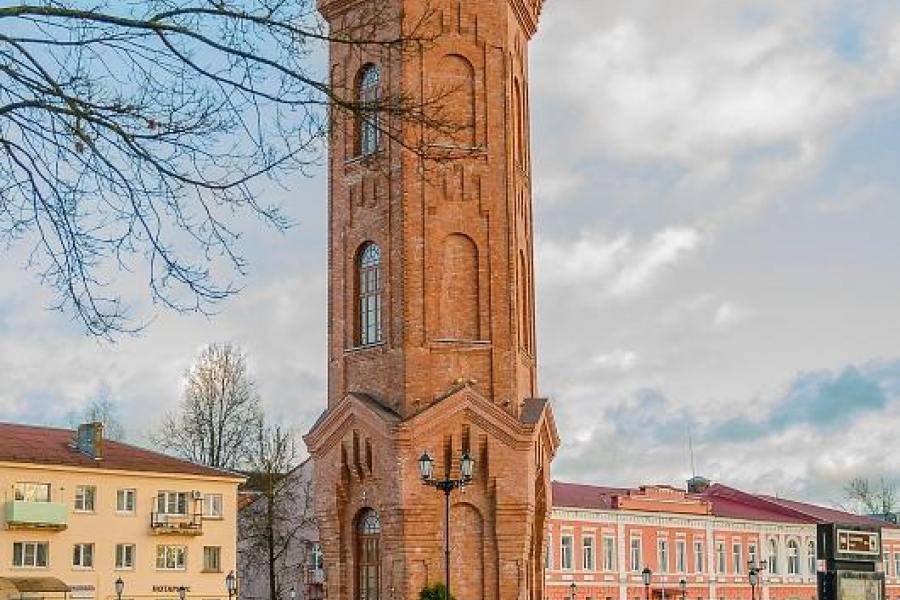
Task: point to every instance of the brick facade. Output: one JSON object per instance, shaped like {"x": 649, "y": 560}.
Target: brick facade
{"x": 708, "y": 539}
{"x": 436, "y": 351}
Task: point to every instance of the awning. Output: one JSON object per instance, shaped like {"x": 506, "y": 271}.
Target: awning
{"x": 32, "y": 584}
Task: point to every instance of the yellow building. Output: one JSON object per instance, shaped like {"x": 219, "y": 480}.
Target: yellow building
{"x": 80, "y": 513}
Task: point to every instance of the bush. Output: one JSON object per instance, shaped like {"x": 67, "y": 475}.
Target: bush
{"x": 435, "y": 591}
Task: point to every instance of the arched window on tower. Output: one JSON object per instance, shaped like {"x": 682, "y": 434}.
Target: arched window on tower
{"x": 368, "y": 555}
{"x": 368, "y": 272}
{"x": 369, "y": 121}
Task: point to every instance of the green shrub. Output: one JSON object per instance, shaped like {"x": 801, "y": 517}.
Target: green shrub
{"x": 435, "y": 591}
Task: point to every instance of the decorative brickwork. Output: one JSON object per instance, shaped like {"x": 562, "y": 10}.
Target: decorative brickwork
{"x": 454, "y": 368}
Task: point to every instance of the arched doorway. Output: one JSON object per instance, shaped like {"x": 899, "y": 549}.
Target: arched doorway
{"x": 368, "y": 556}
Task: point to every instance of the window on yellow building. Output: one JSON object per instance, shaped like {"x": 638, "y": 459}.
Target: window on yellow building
{"x": 172, "y": 503}
{"x": 126, "y": 501}
{"x": 85, "y": 496}
{"x": 124, "y": 556}
{"x": 212, "y": 505}
{"x": 31, "y": 554}
{"x": 31, "y": 492}
{"x": 171, "y": 558}
{"x": 83, "y": 556}
{"x": 212, "y": 559}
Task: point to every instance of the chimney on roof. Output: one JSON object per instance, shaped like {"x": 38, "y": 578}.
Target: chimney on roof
{"x": 697, "y": 484}
{"x": 89, "y": 440}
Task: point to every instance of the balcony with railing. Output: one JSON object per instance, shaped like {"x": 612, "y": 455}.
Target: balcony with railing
{"x": 176, "y": 524}
{"x": 21, "y": 514}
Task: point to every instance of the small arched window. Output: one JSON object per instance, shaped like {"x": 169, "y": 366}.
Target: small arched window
{"x": 369, "y": 97}
{"x": 773, "y": 557}
{"x": 793, "y": 552}
{"x": 369, "y": 286}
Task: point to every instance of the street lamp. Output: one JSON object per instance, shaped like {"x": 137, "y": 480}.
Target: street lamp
{"x": 231, "y": 584}
{"x": 753, "y": 575}
{"x": 426, "y": 470}
{"x": 682, "y": 585}
{"x": 120, "y": 587}
{"x": 647, "y": 576}
{"x": 573, "y": 587}
{"x": 182, "y": 592}
{"x": 293, "y": 593}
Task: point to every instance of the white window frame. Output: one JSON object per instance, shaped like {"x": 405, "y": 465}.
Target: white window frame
{"x": 164, "y": 552}
{"x": 125, "y": 559}
{"x": 896, "y": 563}
{"x": 83, "y": 556}
{"x": 680, "y": 556}
{"x": 721, "y": 559}
{"x": 773, "y": 566}
{"x": 662, "y": 555}
{"x": 126, "y": 501}
{"x": 166, "y": 499}
{"x": 588, "y": 554}
{"x": 699, "y": 556}
{"x": 566, "y": 560}
{"x": 548, "y": 553}
{"x": 213, "y": 506}
{"x": 27, "y": 491}
{"x": 209, "y": 551}
{"x": 35, "y": 546}
{"x": 636, "y": 553}
{"x": 85, "y": 498}
{"x": 737, "y": 557}
{"x": 609, "y": 553}
{"x": 793, "y": 557}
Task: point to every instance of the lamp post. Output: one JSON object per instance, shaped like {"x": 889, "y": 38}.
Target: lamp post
{"x": 293, "y": 593}
{"x": 182, "y": 592}
{"x": 682, "y": 585}
{"x": 573, "y": 588}
{"x": 120, "y": 587}
{"x": 447, "y": 485}
{"x": 753, "y": 575}
{"x": 647, "y": 576}
{"x": 231, "y": 584}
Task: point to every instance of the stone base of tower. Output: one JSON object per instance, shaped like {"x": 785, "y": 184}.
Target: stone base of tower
{"x": 382, "y": 530}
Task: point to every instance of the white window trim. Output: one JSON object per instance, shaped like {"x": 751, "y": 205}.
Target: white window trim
{"x": 25, "y": 567}
{"x": 83, "y": 567}
{"x": 168, "y": 546}
{"x": 593, "y": 553}
{"x": 133, "y": 510}
{"x": 133, "y": 557}
{"x": 562, "y": 553}
{"x": 93, "y": 508}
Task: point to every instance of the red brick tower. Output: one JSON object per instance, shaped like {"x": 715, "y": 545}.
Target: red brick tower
{"x": 431, "y": 307}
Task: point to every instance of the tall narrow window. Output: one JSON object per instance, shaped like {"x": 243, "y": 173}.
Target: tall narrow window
{"x": 368, "y": 556}
{"x": 698, "y": 557}
{"x": 811, "y": 558}
{"x": 636, "y": 565}
{"x": 587, "y": 553}
{"x": 793, "y": 552}
{"x": 736, "y": 557}
{"x": 369, "y": 98}
{"x": 773, "y": 557}
{"x": 720, "y": 557}
{"x": 609, "y": 554}
{"x": 662, "y": 556}
{"x": 369, "y": 284}
{"x": 680, "y": 556}
{"x": 566, "y": 551}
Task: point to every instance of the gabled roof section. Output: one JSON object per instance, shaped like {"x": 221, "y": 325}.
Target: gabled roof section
{"x": 723, "y": 501}
{"x": 30, "y": 444}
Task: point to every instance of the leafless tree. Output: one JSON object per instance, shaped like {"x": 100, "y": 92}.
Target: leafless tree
{"x": 877, "y": 498}
{"x": 273, "y": 546}
{"x": 102, "y": 409}
{"x": 219, "y": 413}
{"x": 137, "y": 136}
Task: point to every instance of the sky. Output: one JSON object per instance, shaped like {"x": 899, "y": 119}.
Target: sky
{"x": 717, "y": 257}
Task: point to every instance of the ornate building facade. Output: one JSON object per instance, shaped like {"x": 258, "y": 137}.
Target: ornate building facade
{"x": 431, "y": 308}
{"x": 600, "y": 539}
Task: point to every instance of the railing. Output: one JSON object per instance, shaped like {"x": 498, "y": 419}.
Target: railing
{"x": 172, "y": 524}
{"x": 35, "y": 515}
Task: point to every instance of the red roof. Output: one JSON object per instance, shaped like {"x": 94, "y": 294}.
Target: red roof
{"x": 51, "y": 446}
{"x": 726, "y": 502}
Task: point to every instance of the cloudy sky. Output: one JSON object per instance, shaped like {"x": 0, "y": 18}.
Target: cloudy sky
{"x": 718, "y": 256}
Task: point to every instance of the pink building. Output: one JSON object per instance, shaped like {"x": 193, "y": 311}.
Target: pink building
{"x": 601, "y": 539}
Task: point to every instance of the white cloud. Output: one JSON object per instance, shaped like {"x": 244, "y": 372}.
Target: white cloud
{"x": 617, "y": 360}
{"x": 624, "y": 267}
{"x": 730, "y": 314}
